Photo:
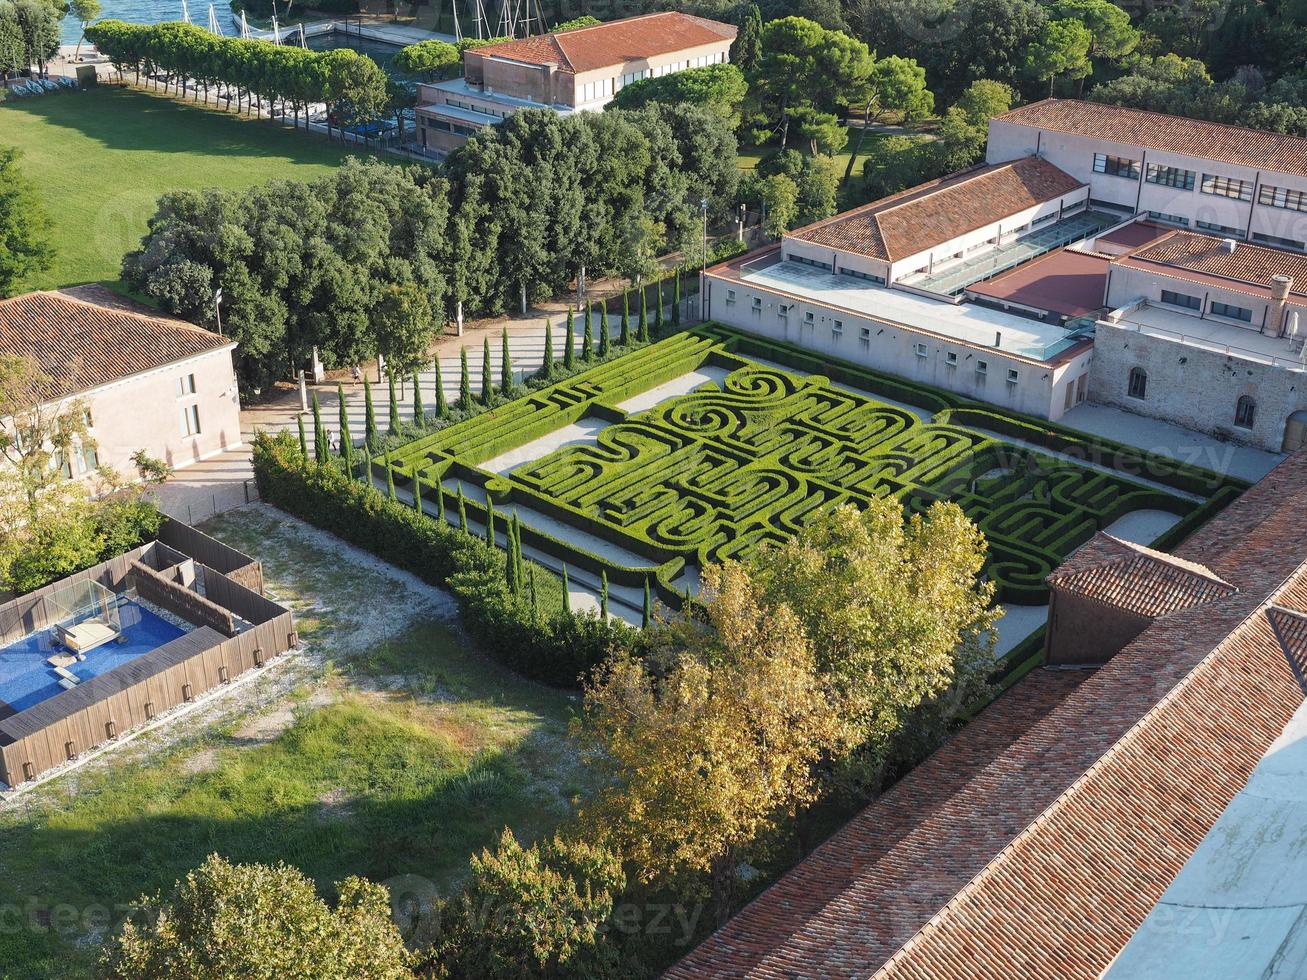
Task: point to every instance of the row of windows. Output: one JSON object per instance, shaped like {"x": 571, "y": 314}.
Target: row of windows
{"x": 590, "y": 91}
{"x": 702, "y": 61}
{"x": 1279, "y": 242}
{"x": 1245, "y": 409}
{"x": 1171, "y": 176}
{"x": 1182, "y": 179}
{"x": 445, "y": 126}
{"x": 1280, "y": 197}
{"x": 1240, "y": 190}
{"x": 1190, "y": 302}
{"x": 1116, "y": 166}
{"x": 473, "y": 107}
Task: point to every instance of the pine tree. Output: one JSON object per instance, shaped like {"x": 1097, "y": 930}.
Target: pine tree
{"x": 487, "y": 376}
{"x": 676, "y": 297}
{"x": 603, "y": 331}
{"x": 624, "y": 337}
{"x": 647, "y": 618}
{"x": 464, "y": 381}
{"x": 569, "y": 355}
{"x": 644, "y": 315}
{"x": 658, "y": 311}
{"x": 462, "y": 511}
{"x": 394, "y": 405}
{"x": 505, "y": 367}
{"x": 603, "y": 595}
{"x": 370, "y": 434}
{"x": 417, "y": 493}
{"x": 304, "y": 445}
{"x": 346, "y": 440}
{"x": 390, "y": 479}
{"x": 321, "y": 449}
{"x": 419, "y": 413}
{"x": 490, "y": 520}
{"x": 567, "y": 597}
{"x": 547, "y": 366}
{"x": 587, "y": 337}
{"x": 442, "y": 403}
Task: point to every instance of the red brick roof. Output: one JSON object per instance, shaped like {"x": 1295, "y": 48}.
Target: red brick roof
{"x": 617, "y": 42}
{"x": 1068, "y": 283}
{"x": 936, "y": 212}
{"x": 1174, "y": 134}
{"x": 1034, "y": 843}
{"x": 1209, "y": 256}
{"x": 82, "y": 345}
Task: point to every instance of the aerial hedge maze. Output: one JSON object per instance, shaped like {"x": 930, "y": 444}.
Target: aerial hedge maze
{"x": 716, "y": 473}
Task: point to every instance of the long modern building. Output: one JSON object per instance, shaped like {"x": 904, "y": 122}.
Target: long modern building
{"x": 1100, "y": 254}
{"x": 566, "y": 71}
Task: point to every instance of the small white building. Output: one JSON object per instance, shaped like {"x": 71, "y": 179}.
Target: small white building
{"x": 146, "y": 381}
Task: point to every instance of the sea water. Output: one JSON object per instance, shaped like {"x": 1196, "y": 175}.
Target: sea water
{"x": 151, "y": 12}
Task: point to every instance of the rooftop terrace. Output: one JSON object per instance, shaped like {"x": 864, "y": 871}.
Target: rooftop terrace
{"x": 1213, "y": 335}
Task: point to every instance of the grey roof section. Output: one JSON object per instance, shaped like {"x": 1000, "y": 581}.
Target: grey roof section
{"x": 459, "y": 86}
{"x": 1238, "y": 908}
{"x": 462, "y": 115}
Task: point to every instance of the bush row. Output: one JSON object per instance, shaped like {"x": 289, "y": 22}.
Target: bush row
{"x": 548, "y": 645}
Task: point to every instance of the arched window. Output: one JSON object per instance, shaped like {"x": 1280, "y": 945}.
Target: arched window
{"x": 1138, "y": 383}
{"x": 1245, "y": 412}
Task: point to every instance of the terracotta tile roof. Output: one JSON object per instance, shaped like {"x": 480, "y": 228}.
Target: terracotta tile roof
{"x": 616, "y": 42}
{"x": 1033, "y": 843}
{"x": 1208, "y": 255}
{"x": 81, "y": 344}
{"x": 921, "y": 217}
{"x": 1137, "y": 579}
{"x": 1173, "y": 134}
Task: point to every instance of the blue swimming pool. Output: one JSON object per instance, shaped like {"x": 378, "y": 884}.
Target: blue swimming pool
{"x": 26, "y": 679}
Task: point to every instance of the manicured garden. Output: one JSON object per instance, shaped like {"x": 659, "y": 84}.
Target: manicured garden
{"x": 714, "y": 474}
{"x": 101, "y": 158}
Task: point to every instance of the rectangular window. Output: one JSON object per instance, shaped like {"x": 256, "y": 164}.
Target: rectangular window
{"x": 864, "y": 336}
{"x": 854, "y": 274}
{"x": 1013, "y": 376}
{"x": 1176, "y": 177}
{"x": 982, "y": 367}
{"x": 1282, "y": 197}
{"x": 837, "y": 328}
{"x": 1170, "y": 219}
{"x": 783, "y": 311}
{"x": 1070, "y": 393}
{"x": 920, "y": 350}
{"x": 1221, "y": 229}
{"x": 191, "y": 420}
{"x": 1172, "y": 298}
{"x": 185, "y": 385}
{"x": 1232, "y": 312}
{"x": 1116, "y": 166}
{"x": 1277, "y": 242}
{"x": 1240, "y": 190}
{"x": 951, "y": 358}
{"x": 757, "y": 304}
{"x": 812, "y": 262}
{"x": 809, "y": 318}
{"x": 730, "y": 297}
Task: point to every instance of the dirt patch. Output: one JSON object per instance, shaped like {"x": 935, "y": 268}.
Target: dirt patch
{"x": 267, "y": 726}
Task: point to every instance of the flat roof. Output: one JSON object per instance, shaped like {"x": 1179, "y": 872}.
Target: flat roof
{"x": 461, "y": 114}
{"x": 1245, "y": 887}
{"x": 966, "y": 322}
{"x": 1071, "y": 284}
{"x": 459, "y": 86}
{"x": 1135, "y": 234}
{"x": 1209, "y": 334}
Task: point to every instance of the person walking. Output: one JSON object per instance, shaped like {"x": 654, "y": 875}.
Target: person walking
{"x": 356, "y": 375}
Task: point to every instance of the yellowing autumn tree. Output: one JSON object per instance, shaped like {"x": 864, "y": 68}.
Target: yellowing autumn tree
{"x": 895, "y": 609}
{"x": 710, "y": 743}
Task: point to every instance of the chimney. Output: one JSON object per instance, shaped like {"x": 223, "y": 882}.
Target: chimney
{"x": 998, "y": 338}
{"x": 1280, "y": 286}
{"x": 1229, "y": 244}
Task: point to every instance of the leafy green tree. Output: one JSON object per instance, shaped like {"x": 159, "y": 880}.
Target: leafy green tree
{"x": 587, "y": 338}
{"x": 1061, "y": 48}
{"x": 603, "y": 594}
{"x": 506, "y": 366}
{"x": 779, "y": 196}
{"x": 719, "y": 88}
{"x": 419, "y": 414}
{"x": 442, "y": 403}
{"x": 984, "y": 99}
{"x": 394, "y": 423}
{"x": 321, "y": 446}
{"x": 569, "y": 343}
{"x": 746, "y": 50}
{"x": 403, "y": 323}
{"x": 487, "y": 377}
{"x": 894, "y": 85}
{"x": 643, "y": 331}
{"x": 676, "y": 297}
{"x": 342, "y": 423}
{"x": 24, "y": 226}
{"x": 541, "y": 911}
{"x": 371, "y": 434}
{"x": 576, "y": 22}
{"x": 234, "y": 920}
{"x": 426, "y": 58}
{"x": 1113, "y": 36}
{"x": 547, "y": 365}
{"x": 624, "y": 335}
{"x": 304, "y": 442}
{"x": 658, "y": 310}
{"x": 464, "y": 381}
{"x": 646, "y": 617}
{"x": 84, "y": 11}
{"x": 603, "y": 329}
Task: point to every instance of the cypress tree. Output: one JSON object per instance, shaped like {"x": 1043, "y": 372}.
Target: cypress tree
{"x": 462, "y": 511}
{"x": 587, "y": 337}
{"x": 417, "y": 493}
{"x": 647, "y": 618}
{"x": 304, "y": 446}
{"x": 346, "y": 440}
{"x": 464, "y": 381}
{"x": 510, "y": 565}
{"x": 676, "y": 297}
{"x": 320, "y": 448}
{"x": 603, "y": 331}
{"x": 531, "y": 578}
{"x": 440, "y": 501}
{"x": 603, "y": 595}
{"x": 658, "y": 311}
{"x": 644, "y": 314}
{"x": 547, "y": 367}
{"x": 490, "y": 520}
{"x": 487, "y": 376}
{"x": 569, "y": 355}
{"x": 624, "y": 338}
{"x": 567, "y": 598}
{"x": 442, "y": 404}
{"x": 506, "y": 367}
{"x": 394, "y": 405}
{"x": 517, "y": 547}
{"x": 419, "y": 413}
{"x": 370, "y": 434}
{"x": 390, "y": 479}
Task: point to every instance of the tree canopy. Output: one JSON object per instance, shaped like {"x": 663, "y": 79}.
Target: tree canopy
{"x": 719, "y": 88}
{"x": 24, "y": 226}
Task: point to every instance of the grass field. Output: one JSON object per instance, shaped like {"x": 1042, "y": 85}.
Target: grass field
{"x": 399, "y": 750}
{"x": 749, "y": 156}
{"x": 102, "y": 158}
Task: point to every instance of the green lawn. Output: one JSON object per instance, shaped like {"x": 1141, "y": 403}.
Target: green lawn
{"x": 750, "y": 155}
{"x": 402, "y": 755}
{"x": 102, "y": 158}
